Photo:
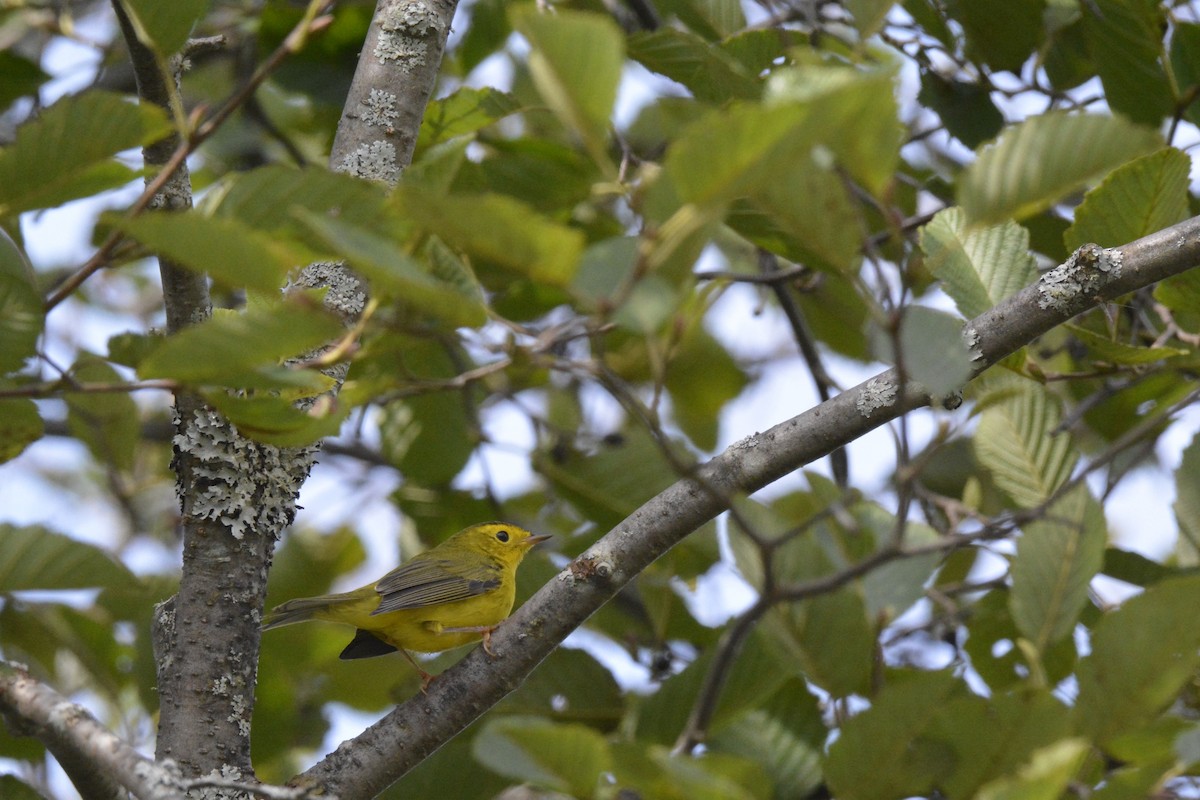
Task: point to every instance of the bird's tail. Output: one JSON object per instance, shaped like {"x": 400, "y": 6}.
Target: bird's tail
{"x": 303, "y": 609}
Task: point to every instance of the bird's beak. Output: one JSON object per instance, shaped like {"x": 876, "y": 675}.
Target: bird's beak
{"x": 533, "y": 540}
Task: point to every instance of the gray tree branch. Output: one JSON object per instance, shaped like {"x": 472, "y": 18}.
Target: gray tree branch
{"x": 365, "y": 765}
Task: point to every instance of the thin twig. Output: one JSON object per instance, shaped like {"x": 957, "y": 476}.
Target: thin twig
{"x": 312, "y": 23}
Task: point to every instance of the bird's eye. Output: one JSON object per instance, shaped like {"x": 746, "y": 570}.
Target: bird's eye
{"x": 502, "y": 535}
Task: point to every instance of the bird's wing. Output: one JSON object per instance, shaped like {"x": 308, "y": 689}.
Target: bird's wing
{"x": 423, "y": 582}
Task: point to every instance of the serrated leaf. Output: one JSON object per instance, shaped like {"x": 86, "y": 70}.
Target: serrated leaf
{"x": 576, "y": 61}
{"x": 428, "y": 438}
{"x": 570, "y": 686}
{"x": 246, "y": 258}
{"x": 1142, "y": 655}
{"x": 978, "y": 265}
{"x": 1018, "y": 443}
{"x": 244, "y": 348}
{"x": 65, "y": 153}
{"x": 498, "y": 230}
{"x": 107, "y": 422}
{"x": 1036, "y": 163}
{"x": 33, "y": 557}
{"x": 558, "y": 756}
{"x": 1136, "y": 199}
{"x": 1134, "y": 568}
{"x": 20, "y": 426}
{"x": 882, "y": 752}
{"x": 1125, "y": 38}
{"x": 1187, "y": 504}
{"x": 464, "y": 111}
{"x": 22, "y": 77}
{"x": 165, "y": 26}
{"x": 21, "y": 312}
{"x": 712, "y": 75}
{"x": 1057, "y": 557}
{"x": 397, "y": 276}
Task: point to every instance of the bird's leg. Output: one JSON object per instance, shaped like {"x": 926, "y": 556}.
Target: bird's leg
{"x": 426, "y": 677}
{"x": 483, "y": 630}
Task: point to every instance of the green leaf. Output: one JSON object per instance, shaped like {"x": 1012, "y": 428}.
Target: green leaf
{"x": 654, "y": 772}
{"x": 785, "y": 734}
{"x": 809, "y": 204}
{"x": 562, "y": 757}
{"x": 992, "y": 737}
{"x": 33, "y": 557}
{"x": 22, "y": 77}
{"x": 1001, "y": 33}
{"x": 246, "y": 258}
{"x": 702, "y": 378}
{"x": 608, "y": 485}
{"x": 268, "y": 198}
{"x": 932, "y": 350}
{"x": 14, "y": 788}
{"x": 1185, "y": 63}
{"x": 1036, "y": 163}
{"x": 498, "y": 230}
{"x": 20, "y": 426}
{"x": 731, "y": 152}
{"x": 868, "y": 14}
{"x": 1134, "y": 568}
{"x": 570, "y": 686}
{"x": 107, "y": 422}
{"x": 1181, "y": 294}
{"x": 966, "y": 109}
{"x": 978, "y": 265}
{"x": 1136, "y": 199}
{"x": 1046, "y": 777}
{"x": 462, "y": 112}
{"x": 21, "y": 312}
{"x": 241, "y": 348}
{"x": 1143, "y": 654}
{"x": 705, "y": 68}
{"x": 883, "y": 752}
{"x": 1125, "y": 38}
{"x": 428, "y": 437}
{"x": 1187, "y": 504}
{"x": 1103, "y": 349}
{"x": 165, "y": 26}
{"x": 65, "y": 153}
{"x": 1057, "y": 557}
{"x": 1018, "y": 443}
{"x": 277, "y": 421}
{"x": 394, "y": 275}
{"x": 576, "y": 61}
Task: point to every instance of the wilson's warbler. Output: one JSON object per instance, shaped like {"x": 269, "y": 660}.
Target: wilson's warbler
{"x": 448, "y": 596}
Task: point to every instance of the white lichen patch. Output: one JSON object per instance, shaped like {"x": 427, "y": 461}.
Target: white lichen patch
{"x": 240, "y": 715}
{"x": 346, "y": 297}
{"x": 245, "y": 486}
{"x": 1087, "y": 270}
{"x": 404, "y": 33}
{"x": 379, "y": 109}
{"x": 375, "y": 162}
{"x": 971, "y": 339}
{"x": 878, "y": 393}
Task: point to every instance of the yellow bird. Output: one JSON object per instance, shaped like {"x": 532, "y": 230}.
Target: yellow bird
{"x": 450, "y": 595}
